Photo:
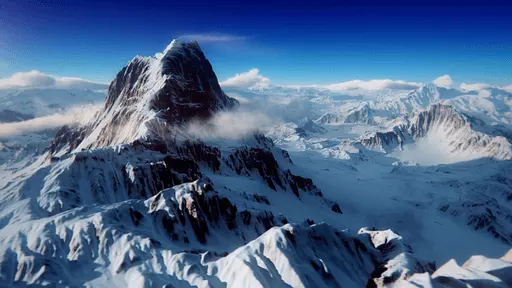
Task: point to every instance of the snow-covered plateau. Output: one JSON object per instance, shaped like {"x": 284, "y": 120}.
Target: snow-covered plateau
{"x": 173, "y": 181}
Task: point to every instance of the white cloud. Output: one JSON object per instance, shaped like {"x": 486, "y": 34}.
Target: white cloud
{"x": 507, "y": 88}
{"x": 210, "y": 37}
{"x": 443, "y": 81}
{"x": 372, "y": 85}
{"x": 249, "y": 79}
{"x": 231, "y": 125}
{"x": 37, "y": 79}
{"x": 253, "y": 79}
{"x": 474, "y": 87}
{"x": 81, "y": 114}
{"x": 27, "y": 79}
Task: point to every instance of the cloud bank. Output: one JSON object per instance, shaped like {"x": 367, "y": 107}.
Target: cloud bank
{"x": 444, "y": 81}
{"x": 76, "y": 115}
{"x": 253, "y": 79}
{"x": 37, "y": 79}
{"x": 474, "y": 87}
{"x": 372, "y": 85}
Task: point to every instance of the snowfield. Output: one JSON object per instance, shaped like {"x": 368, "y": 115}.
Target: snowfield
{"x": 177, "y": 182}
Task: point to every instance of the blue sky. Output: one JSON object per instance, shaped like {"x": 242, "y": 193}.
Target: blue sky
{"x": 315, "y": 42}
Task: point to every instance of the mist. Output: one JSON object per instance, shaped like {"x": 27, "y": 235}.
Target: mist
{"x": 431, "y": 150}
{"x": 75, "y": 115}
{"x": 232, "y": 124}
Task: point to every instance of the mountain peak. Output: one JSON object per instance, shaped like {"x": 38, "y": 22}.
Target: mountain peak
{"x": 152, "y": 94}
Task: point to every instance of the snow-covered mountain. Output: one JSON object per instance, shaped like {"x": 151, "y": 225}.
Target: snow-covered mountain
{"x": 134, "y": 197}
{"x": 492, "y": 105}
{"x": 461, "y": 135}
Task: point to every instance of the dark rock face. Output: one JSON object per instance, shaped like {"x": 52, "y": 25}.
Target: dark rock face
{"x": 191, "y": 89}
{"x": 128, "y": 82}
{"x": 200, "y": 152}
{"x": 69, "y": 137}
{"x": 141, "y": 169}
{"x": 103, "y": 177}
{"x": 388, "y": 141}
{"x": 155, "y": 176}
{"x": 437, "y": 117}
{"x": 160, "y": 93}
{"x": 200, "y": 97}
{"x": 432, "y": 117}
{"x": 200, "y": 207}
{"x": 246, "y": 160}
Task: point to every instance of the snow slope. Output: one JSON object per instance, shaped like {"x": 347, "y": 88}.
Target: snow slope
{"x": 135, "y": 198}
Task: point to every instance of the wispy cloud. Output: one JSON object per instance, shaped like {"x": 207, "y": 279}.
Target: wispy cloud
{"x": 37, "y": 79}
{"x": 80, "y": 114}
{"x": 211, "y": 37}
{"x": 231, "y": 124}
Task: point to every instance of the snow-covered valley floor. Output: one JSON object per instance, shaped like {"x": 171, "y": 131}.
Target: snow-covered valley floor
{"x": 405, "y": 200}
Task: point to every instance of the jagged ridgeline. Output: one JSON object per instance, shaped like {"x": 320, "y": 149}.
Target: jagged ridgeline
{"x": 133, "y": 199}
{"x": 133, "y": 173}
{"x": 139, "y": 133}
{"x": 149, "y": 96}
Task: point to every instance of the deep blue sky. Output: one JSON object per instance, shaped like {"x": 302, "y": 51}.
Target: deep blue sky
{"x": 316, "y": 42}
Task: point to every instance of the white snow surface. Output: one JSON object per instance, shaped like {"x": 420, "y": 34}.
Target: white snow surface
{"x": 426, "y": 171}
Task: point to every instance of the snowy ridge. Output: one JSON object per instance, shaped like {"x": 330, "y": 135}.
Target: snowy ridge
{"x": 452, "y": 129}
{"x": 130, "y": 167}
{"x": 478, "y": 271}
{"x": 162, "y": 241}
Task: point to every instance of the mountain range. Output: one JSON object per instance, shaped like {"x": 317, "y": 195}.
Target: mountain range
{"x": 383, "y": 188}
